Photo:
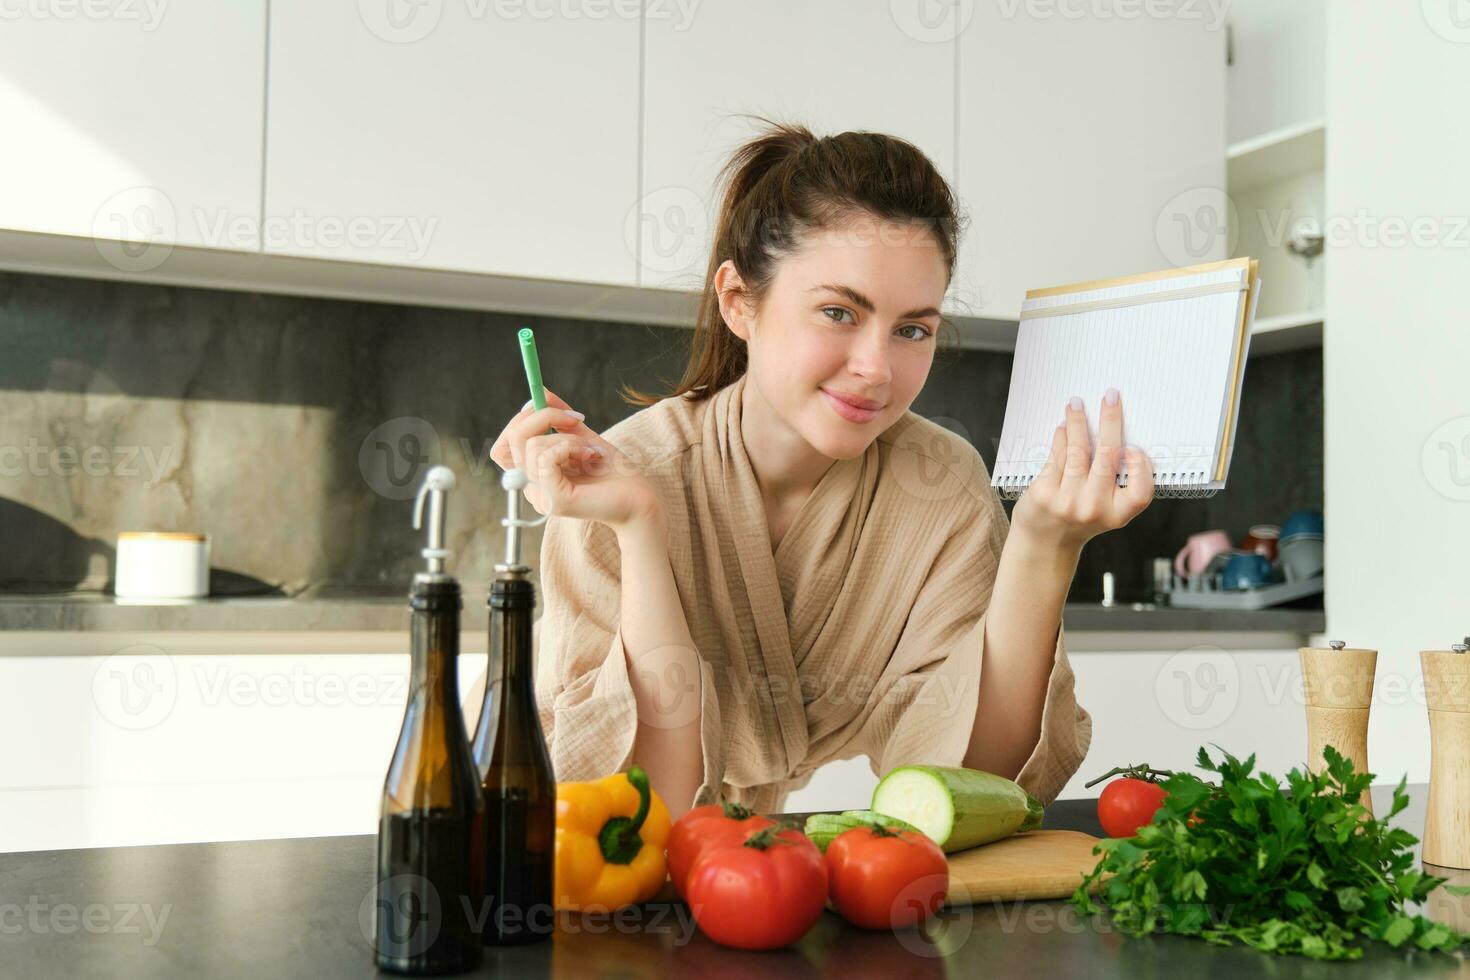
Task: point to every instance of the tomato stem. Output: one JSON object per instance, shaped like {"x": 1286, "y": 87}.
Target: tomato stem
{"x": 1139, "y": 771}
{"x": 764, "y": 838}
{"x": 735, "y": 811}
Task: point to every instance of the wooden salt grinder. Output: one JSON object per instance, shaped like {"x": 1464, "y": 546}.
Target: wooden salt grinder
{"x": 1339, "y": 692}
{"x": 1447, "y": 695}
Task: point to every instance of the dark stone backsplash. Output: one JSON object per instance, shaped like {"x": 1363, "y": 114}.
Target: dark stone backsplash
{"x": 289, "y": 429}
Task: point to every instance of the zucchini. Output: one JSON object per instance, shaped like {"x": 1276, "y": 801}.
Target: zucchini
{"x": 957, "y": 808}
{"x": 824, "y": 828}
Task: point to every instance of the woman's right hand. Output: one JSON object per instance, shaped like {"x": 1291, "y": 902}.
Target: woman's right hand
{"x": 577, "y": 472}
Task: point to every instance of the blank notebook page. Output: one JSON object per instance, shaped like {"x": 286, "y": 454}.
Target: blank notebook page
{"x": 1173, "y": 344}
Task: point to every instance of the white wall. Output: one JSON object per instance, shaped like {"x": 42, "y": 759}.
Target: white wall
{"x": 1397, "y": 348}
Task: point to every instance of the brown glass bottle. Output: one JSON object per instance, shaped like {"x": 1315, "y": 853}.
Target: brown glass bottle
{"x": 516, "y": 778}
{"x": 430, "y": 831}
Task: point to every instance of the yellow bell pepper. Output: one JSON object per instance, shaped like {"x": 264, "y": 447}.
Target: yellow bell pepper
{"x": 610, "y": 836}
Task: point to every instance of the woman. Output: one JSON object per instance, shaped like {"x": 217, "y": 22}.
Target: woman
{"x": 813, "y": 571}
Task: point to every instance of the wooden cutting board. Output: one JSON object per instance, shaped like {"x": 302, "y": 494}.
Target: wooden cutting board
{"x": 1037, "y": 864}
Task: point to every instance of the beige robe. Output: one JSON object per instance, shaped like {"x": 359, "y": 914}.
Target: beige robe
{"x": 860, "y": 635}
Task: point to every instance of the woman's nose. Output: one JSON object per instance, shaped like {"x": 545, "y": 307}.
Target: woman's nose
{"x": 869, "y": 359}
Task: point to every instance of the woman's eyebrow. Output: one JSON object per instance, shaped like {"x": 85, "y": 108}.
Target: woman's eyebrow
{"x": 860, "y": 300}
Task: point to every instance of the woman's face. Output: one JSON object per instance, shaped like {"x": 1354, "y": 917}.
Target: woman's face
{"x": 854, "y": 312}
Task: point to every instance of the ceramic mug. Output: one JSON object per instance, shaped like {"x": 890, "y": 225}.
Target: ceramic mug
{"x": 1262, "y": 540}
{"x": 1302, "y": 557}
{"x": 1195, "y": 556}
{"x": 1247, "y": 570}
{"x": 1302, "y": 523}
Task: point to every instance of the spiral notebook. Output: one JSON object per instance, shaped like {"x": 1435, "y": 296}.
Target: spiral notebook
{"x": 1174, "y": 344}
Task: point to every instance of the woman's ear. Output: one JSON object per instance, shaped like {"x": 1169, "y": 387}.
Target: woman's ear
{"x": 730, "y": 290}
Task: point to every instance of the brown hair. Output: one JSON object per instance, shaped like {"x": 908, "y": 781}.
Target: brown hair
{"x": 782, "y": 185}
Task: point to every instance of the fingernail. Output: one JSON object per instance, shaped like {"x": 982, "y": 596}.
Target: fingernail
{"x": 528, "y": 404}
{"x": 1075, "y": 404}
{"x": 576, "y": 415}
{"x": 1110, "y": 397}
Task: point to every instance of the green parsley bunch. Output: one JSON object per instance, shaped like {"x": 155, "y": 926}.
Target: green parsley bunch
{"x": 1301, "y": 869}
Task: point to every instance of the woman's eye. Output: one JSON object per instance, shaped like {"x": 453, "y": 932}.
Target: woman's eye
{"x": 923, "y": 331}
{"x": 829, "y": 310}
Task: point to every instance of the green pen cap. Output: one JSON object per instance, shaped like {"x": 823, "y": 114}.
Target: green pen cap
{"x": 533, "y": 367}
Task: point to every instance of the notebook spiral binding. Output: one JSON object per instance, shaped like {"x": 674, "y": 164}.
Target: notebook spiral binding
{"x": 1193, "y": 486}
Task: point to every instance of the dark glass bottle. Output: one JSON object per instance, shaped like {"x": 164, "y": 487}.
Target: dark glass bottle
{"x": 430, "y": 888}
{"x": 516, "y": 778}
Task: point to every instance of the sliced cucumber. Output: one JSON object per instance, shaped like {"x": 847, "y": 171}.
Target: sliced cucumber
{"x": 824, "y": 828}
{"x": 873, "y": 816}
{"x": 957, "y": 808}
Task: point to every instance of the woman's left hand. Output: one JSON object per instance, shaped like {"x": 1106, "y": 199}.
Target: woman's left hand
{"x": 1076, "y": 496}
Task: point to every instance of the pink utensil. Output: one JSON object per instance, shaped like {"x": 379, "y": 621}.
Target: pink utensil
{"x": 1199, "y": 550}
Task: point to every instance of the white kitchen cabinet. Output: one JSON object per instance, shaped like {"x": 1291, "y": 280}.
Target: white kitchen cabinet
{"x": 495, "y": 138}
{"x": 135, "y": 122}
{"x": 830, "y": 64}
{"x": 1088, "y": 147}
{"x": 153, "y": 738}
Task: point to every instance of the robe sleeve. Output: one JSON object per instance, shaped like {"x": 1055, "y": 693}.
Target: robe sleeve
{"x": 584, "y": 694}
{"x": 925, "y": 700}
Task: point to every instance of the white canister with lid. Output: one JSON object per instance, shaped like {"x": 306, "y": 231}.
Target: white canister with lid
{"x": 161, "y": 565}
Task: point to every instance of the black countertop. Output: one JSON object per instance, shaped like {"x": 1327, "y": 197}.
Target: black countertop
{"x": 261, "y": 910}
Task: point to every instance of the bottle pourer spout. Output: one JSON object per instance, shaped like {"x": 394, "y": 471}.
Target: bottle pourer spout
{"x": 513, "y": 482}
{"x": 437, "y": 482}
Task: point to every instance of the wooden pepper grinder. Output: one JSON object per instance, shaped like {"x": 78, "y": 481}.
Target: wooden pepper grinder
{"x": 1339, "y": 692}
{"x": 1447, "y": 695}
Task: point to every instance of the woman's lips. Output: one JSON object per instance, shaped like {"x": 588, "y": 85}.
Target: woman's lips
{"x": 850, "y": 412}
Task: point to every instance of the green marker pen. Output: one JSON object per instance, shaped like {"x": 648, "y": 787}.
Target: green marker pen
{"x": 533, "y": 370}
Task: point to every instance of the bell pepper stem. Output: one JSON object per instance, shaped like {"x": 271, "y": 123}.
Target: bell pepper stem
{"x": 619, "y": 836}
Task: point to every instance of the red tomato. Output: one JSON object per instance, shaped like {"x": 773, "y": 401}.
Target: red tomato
{"x": 886, "y": 880}
{"x": 714, "y": 825}
{"x": 1127, "y": 804}
{"x": 762, "y": 894}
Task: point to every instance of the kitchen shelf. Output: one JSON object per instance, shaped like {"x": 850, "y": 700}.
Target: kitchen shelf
{"x": 344, "y": 609}
{"x": 1288, "y": 331}
{"x": 1138, "y": 617}
{"x": 1265, "y": 159}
